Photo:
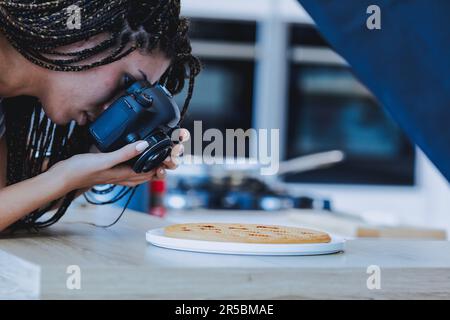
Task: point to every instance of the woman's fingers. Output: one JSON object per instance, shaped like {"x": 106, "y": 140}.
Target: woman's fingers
{"x": 118, "y": 173}
{"x": 142, "y": 176}
{"x": 169, "y": 163}
{"x": 160, "y": 173}
{"x": 136, "y": 181}
{"x": 177, "y": 150}
{"x": 128, "y": 152}
{"x": 124, "y": 174}
{"x": 172, "y": 161}
{"x": 181, "y": 135}
{"x": 184, "y": 135}
{"x": 114, "y": 172}
{"x": 111, "y": 159}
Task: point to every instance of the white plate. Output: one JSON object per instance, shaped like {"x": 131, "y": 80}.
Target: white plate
{"x": 157, "y": 238}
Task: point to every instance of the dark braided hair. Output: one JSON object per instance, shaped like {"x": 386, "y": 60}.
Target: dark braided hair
{"x": 38, "y": 29}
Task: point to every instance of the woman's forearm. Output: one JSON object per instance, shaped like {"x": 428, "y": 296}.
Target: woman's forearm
{"x": 18, "y": 200}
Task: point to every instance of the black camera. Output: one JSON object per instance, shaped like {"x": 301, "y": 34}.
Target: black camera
{"x": 146, "y": 112}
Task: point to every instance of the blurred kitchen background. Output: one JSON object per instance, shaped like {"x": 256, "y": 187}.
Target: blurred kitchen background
{"x": 266, "y": 66}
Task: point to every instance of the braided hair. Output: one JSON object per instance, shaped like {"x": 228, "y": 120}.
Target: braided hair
{"x": 38, "y": 29}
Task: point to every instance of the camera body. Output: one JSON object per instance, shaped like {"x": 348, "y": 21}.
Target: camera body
{"x": 146, "y": 112}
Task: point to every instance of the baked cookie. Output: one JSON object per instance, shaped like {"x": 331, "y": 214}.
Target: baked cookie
{"x": 245, "y": 233}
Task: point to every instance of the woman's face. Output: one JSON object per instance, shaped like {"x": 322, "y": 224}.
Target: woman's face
{"x": 82, "y": 96}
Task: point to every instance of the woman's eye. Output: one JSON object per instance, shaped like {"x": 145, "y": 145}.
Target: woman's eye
{"x": 128, "y": 80}
{"x": 144, "y": 76}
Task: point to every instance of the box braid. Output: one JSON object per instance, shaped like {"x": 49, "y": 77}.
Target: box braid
{"x": 37, "y": 29}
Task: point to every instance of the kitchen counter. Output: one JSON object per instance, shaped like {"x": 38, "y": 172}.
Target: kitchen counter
{"x": 118, "y": 263}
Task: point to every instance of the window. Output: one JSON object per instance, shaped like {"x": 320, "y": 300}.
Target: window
{"x": 330, "y": 110}
{"x": 224, "y": 90}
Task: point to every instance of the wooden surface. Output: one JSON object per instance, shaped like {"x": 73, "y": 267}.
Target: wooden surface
{"x": 117, "y": 263}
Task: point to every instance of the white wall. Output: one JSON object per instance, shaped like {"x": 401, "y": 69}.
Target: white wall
{"x": 435, "y": 191}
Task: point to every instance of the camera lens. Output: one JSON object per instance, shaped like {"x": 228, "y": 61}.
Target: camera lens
{"x": 156, "y": 159}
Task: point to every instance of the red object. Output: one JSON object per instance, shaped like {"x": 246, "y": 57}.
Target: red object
{"x": 158, "y": 186}
{"x": 157, "y": 191}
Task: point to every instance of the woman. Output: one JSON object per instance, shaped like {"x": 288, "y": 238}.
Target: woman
{"x": 55, "y": 79}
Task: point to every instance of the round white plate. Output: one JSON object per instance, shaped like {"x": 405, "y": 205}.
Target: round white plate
{"x": 157, "y": 238}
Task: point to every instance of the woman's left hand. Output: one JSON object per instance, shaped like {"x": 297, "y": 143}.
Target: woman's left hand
{"x": 170, "y": 163}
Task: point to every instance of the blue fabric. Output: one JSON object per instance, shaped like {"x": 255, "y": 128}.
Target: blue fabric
{"x": 406, "y": 64}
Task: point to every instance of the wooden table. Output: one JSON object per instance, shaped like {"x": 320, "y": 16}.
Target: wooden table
{"x": 118, "y": 263}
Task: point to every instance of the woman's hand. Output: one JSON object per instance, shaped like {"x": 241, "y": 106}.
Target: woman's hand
{"x": 86, "y": 170}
